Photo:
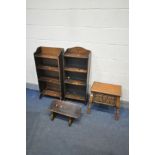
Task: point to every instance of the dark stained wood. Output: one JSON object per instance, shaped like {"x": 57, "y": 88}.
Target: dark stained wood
{"x": 75, "y": 82}
{"x": 72, "y": 111}
{"x": 53, "y": 114}
{"x": 77, "y": 52}
{"x": 66, "y": 108}
{"x": 50, "y": 80}
{"x": 48, "y": 52}
{"x": 70, "y": 121}
{"x": 49, "y": 67}
{"x": 75, "y": 69}
{"x": 53, "y": 86}
{"x": 69, "y": 95}
{"x": 46, "y": 56}
{"x": 76, "y": 73}
{"x": 51, "y": 93}
{"x": 108, "y": 94}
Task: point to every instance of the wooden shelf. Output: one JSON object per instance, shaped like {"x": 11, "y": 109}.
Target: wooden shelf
{"x": 48, "y": 68}
{"x": 51, "y": 93}
{"x": 74, "y": 96}
{"x": 46, "y": 56}
{"x": 50, "y": 80}
{"x": 48, "y": 52}
{"x": 75, "y": 82}
{"x": 76, "y": 66}
{"x": 75, "y": 69}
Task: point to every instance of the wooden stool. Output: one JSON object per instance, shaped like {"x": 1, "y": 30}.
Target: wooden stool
{"x": 107, "y": 94}
{"x": 71, "y": 110}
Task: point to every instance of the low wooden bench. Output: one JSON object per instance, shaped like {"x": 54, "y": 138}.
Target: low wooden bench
{"x": 103, "y": 93}
{"x": 71, "y": 110}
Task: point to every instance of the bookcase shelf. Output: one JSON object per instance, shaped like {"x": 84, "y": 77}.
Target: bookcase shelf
{"x": 50, "y": 80}
{"x": 52, "y": 93}
{"x": 46, "y": 56}
{"x": 69, "y": 95}
{"x": 48, "y": 52}
{"x": 75, "y": 82}
{"x": 49, "y": 67}
{"x": 75, "y": 69}
{"x": 76, "y": 73}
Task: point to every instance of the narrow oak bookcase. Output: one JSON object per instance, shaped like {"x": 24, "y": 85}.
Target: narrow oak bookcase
{"x": 49, "y": 67}
{"x": 76, "y": 73}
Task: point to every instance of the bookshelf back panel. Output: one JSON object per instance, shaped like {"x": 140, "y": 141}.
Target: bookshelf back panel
{"x": 74, "y": 62}
{"x": 50, "y": 51}
{"x": 45, "y": 73}
{"x": 75, "y": 76}
{"x": 75, "y": 90}
{"x": 52, "y": 86}
{"x": 47, "y": 62}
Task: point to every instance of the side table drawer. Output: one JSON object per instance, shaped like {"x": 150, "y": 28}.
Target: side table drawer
{"x": 103, "y": 98}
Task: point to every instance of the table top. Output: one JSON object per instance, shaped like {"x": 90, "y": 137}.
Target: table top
{"x": 66, "y": 108}
{"x": 105, "y": 88}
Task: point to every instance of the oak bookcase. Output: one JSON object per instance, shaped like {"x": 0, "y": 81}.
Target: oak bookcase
{"x": 76, "y": 73}
{"x": 49, "y": 67}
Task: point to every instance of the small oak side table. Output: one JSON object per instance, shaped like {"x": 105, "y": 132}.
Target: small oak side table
{"x": 108, "y": 94}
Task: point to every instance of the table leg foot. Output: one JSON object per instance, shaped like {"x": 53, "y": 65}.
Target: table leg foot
{"x": 117, "y": 114}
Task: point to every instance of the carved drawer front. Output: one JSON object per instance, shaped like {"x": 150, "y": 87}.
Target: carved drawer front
{"x": 98, "y": 97}
{"x": 103, "y": 98}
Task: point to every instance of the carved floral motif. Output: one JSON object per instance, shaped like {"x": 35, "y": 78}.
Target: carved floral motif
{"x": 104, "y": 98}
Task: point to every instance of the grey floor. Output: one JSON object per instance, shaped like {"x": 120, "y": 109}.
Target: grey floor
{"x": 93, "y": 134}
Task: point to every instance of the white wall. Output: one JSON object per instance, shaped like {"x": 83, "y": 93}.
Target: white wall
{"x": 98, "y": 25}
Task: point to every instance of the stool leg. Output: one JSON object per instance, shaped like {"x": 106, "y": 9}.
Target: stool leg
{"x": 52, "y": 116}
{"x": 117, "y": 114}
{"x": 40, "y": 96}
{"x": 70, "y": 121}
{"x": 90, "y": 103}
